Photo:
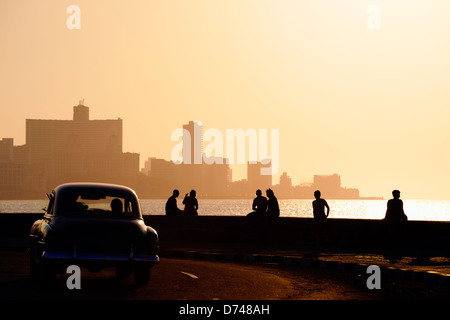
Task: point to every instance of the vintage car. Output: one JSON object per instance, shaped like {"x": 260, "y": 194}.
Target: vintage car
{"x": 93, "y": 226}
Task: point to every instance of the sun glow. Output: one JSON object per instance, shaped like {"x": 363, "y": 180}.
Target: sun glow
{"x": 370, "y": 104}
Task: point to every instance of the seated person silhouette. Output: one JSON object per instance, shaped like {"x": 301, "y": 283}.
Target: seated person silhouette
{"x": 395, "y": 214}
{"x": 273, "y": 209}
{"x": 116, "y": 205}
{"x": 259, "y": 205}
{"x": 171, "y": 204}
{"x": 394, "y": 210}
{"x": 190, "y": 204}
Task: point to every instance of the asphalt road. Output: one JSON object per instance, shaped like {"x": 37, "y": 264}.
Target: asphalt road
{"x": 184, "y": 279}
{"x": 180, "y": 279}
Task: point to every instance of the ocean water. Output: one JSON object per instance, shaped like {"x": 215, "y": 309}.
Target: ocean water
{"x": 425, "y": 210}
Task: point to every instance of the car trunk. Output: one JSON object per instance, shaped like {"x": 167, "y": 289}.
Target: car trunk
{"x": 95, "y": 233}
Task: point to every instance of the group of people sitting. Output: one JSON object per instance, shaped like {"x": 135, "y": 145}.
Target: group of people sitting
{"x": 190, "y": 204}
{"x": 263, "y": 206}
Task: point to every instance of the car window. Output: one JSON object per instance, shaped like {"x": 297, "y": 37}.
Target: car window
{"x": 51, "y": 201}
{"x": 75, "y": 203}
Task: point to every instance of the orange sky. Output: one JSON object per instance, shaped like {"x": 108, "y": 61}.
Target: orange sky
{"x": 370, "y": 105}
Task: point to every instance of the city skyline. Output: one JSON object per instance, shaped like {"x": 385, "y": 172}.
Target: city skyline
{"x": 371, "y": 105}
{"x": 90, "y": 150}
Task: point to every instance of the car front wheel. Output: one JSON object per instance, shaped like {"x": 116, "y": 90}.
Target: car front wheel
{"x": 35, "y": 269}
{"x": 41, "y": 272}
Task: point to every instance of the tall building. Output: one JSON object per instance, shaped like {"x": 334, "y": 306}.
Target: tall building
{"x": 6, "y": 150}
{"x": 77, "y": 150}
{"x": 193, "y": 173}
{"x": 11, "y": 173}
{"x": 193, "y": 142}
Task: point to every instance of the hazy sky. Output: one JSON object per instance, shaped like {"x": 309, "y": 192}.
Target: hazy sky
{"x": 370, "y": 105}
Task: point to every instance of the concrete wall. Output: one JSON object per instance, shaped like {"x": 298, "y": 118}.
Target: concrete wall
{"x": 297, "y": 233}
{"x": 203, "y": 232}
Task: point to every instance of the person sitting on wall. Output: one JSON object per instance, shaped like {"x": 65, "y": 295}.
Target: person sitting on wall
{"x": 171, "y": 204}
{"x": 259, "y": 205}
{"x": 273, "y": 210}
{"x": 190, "y": 204}
{"x": 395, "y": 215}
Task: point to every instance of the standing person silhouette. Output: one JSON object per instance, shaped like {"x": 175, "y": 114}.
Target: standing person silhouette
{"x": 320, "y": 218}
{"x": 395, "y": 215}
{"x": 190, "y": 204}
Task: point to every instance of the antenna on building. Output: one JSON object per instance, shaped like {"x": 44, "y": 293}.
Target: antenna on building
{"x": 81, "y": 102}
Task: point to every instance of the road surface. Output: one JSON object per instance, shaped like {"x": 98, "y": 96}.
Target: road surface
{"x": 179, "y": 279}
{"x": 184, "y": 279}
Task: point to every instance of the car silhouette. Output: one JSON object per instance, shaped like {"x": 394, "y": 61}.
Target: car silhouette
{"x": 93, "y": 225}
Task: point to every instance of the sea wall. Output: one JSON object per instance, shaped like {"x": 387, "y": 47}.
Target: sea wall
{"x": 233, "y": 232}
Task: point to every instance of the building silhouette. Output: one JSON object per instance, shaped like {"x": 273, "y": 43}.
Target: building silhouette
{"x": 11, "y": 171}
{"x": 193, "y": 142}
{"x": 331, "y": 185}
{"x": 81, "y": 149}
{"x": 6, "y": 150}
{"x": 59, "y": 151}
{"x": 256, "y": 180}
{"x": 217, "y": 178}
{"x": 209, "y": 180}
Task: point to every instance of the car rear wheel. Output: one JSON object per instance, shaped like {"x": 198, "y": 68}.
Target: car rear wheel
{"x": 142, "y": 275}
{"x": 123, "y": 271}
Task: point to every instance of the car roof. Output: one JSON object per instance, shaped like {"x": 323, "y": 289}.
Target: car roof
{"x": 94, "y": 186}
